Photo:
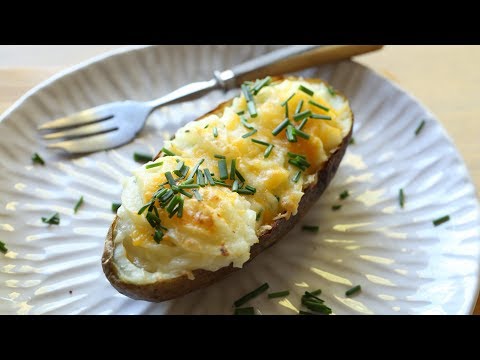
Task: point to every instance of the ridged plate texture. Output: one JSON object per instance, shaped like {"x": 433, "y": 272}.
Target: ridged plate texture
{"x": 404, "y": 264}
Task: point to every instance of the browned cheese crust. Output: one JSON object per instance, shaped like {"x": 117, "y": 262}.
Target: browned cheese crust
{"x": 173, "y": 288}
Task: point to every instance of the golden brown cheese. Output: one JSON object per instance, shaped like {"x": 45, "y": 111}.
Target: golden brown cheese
{"x": 220, "y": 229}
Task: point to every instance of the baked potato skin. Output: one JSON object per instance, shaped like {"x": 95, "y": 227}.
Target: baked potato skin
{"x": 173, "y": 288}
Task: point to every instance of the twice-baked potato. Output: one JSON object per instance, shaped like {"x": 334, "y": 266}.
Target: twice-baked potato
{"x": 226, "y": 187}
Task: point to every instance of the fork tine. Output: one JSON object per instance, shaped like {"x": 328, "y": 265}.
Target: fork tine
{"x": 91, "y": 143}
{"x": 92, "y": 129}
{"x": 83, "y": 117}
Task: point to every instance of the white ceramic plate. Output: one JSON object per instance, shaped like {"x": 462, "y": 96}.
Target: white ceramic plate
{"x": 404, "y": 264}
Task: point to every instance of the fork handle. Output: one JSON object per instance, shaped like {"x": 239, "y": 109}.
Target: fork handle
{"x": 290, "y": 59}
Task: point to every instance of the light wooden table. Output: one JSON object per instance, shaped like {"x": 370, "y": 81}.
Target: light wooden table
{"x": 445, "y": 78}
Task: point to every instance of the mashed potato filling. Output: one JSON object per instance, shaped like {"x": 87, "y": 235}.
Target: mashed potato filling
{"x": 220, "y": 229}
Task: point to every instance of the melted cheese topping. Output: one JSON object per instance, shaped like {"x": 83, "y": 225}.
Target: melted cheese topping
{"x": 220, "y": 230}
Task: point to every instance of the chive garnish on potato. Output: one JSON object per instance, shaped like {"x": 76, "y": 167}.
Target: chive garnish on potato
{"x": 305, "y": 90}
{"x": 314, "y": 103}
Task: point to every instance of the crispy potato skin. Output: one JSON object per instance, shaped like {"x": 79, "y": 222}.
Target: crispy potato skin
{"x": 174, "y": 288}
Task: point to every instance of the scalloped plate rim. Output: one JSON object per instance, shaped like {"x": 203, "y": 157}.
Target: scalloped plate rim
{"x": 132, "y": 48}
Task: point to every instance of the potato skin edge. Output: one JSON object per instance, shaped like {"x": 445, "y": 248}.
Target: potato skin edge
{"x": 173, "y": 288}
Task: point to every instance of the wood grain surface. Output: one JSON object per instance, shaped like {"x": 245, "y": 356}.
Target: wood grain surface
{"x": 444, "y": 78}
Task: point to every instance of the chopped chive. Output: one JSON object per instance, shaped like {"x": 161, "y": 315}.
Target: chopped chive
{"x": 188, "y": 182}
{"x": 401, "y": 198}
{"x": 78, "y": 204}
{"x": 305, "y": 90}
{"x": 115, "y": 207}
{"x": 150, "y": 166}
{"x": 293, "y": 155}
{"x": 186, "y": 193}
{"x": 300, "y": 163}
{"x": 170, "y": 179}
{"x": 197, "y": 194}
{"x": 278, "y": 294}
{"x": 268, "y": 151}
{"x": 280, "y": 127}
{"x": 310, "y": 228}
{"x": 219, "y": 156}
{"x": 302, "y": 115}
{"x": 245, "y": 192}
{"x": 200, "y": 178}
{"x": 245, "y": 311}
{"x": 420, "y": 127}
{"x": 222, "y": 167}
{"x": 301, "y": 312}
{"x": 239, "y": 175}
{"x": 222, "y": 183}
{"x": 251, "y": 188}
{"x": 302, "y": 124}
{"x": 259, "y": 214}
{"x": 187, "y": 131}
{"x": 441, "y": 220}
{"x": 249, "y": 133}
{"x": 246, "y": 92}
{"x": 261, "y": 84}
{"x": 180, "y": 208}
{"x": 3, "y": 248}
{"x": 287, "y": 115}
{"x": 155, "y": 210}
{"x": 232, "y": 169}
{"x": 215, "y": 132}
{"x": 310, "y": 296}
{"x": 244, "y": 299}
{"x": 166, "y": 197}
{"x": 320, "y": 117}
{"x": 300, "y": 133}
{"x": 318, "y": 307}
{"x": 299, "y": 107}
{"x": 195, "y": 168}
{"x": 286, "y": 101}
{"x": 252, "y": 109}
{"x": 235, "y": 185}
{"x": 245, "y": 123}
{"x": 331, "y": 91}
{"x": 209, "y": 177}
{"x": 260, "y": 142}
{"x": 314, "y": 103}
{"x": 240, "y": 113}
{"x": 336, "y": 207}
{"x": 52, "y": 220}
{"x": 316, "y": 292}
{"x": 142, "y": 158}
{"x": 297, "y": 177}
{"x": 173, "y": 203}
{"x": 352, "y": 141}
{"x": 179, "y": 168}
{"x": 353, "y": 290}
{"x": 158, "y": 236}
{"x": 344, "y": 195}
{"x": 206, "y": 126}
{"x": 37, "y": 159}
{"x": 167, "y": 152}
{"x": 290, "y": 135}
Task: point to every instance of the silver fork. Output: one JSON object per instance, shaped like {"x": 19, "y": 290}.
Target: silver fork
{"x": 111, "y": 125}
